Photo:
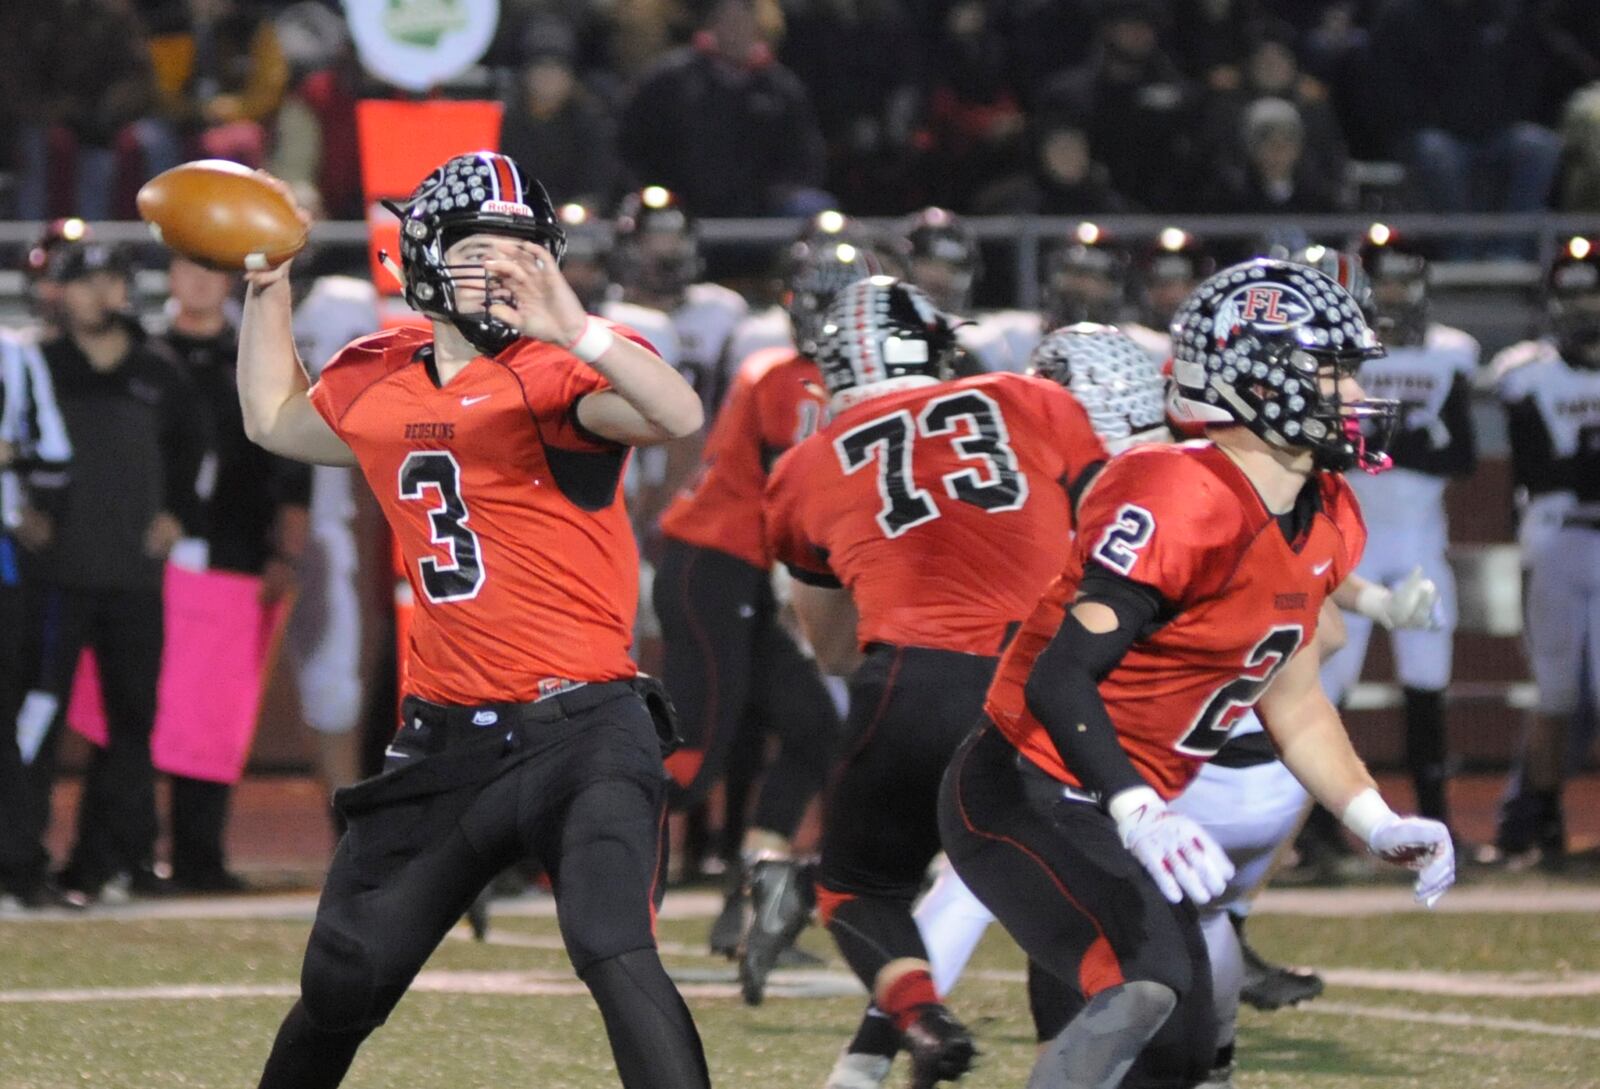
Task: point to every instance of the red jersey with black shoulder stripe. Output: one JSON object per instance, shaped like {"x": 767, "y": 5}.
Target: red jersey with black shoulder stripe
{"x": 776, "y": 401}
{"x": 1185, "y": 521}
{"x": 945, "y": 509}
{"x": 507, "y": 513}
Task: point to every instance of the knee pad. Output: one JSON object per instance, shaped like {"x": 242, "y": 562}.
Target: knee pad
{"x": 339, "y": 984}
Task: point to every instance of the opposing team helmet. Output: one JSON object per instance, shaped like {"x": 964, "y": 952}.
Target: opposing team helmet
{"x": 941, "y": 256}
{"x": 880, "y": 329}
{"x": 1399, "y": 274}
{"x": 817, "y": 266}
{"x": 1085, "y": 278}
{"x": 666, "y": 267}
{"x": 479, "y": 193}
{"x": 1116, "y": 381}
{"x": 1572, "y": 297}
{"x": 1249, "y": 347}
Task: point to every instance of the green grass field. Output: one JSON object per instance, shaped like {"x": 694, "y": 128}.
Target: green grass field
{"x": 121, "y": 1002}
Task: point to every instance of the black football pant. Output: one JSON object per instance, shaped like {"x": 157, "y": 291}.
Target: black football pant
{"x": 117, "y": 811}
{"x": 910, "y": 708}
{"x": 730, "y": 666}
{"x": 574, "y": 782}
{"x": 1054, "y": 872}
{"x": 22, "y": 858}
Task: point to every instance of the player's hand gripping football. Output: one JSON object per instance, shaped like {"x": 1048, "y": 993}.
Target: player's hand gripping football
{"x": 264, "y": 277}
{"x": 1180, "y": 856}
{"x": 529, "y": 294}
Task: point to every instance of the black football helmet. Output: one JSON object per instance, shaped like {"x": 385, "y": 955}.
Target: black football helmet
{"x": 1399, "y": 274}
{"x": 1344, "y": 269}
{"x": 1252, "y": 346}
{"x": 482, "y": 192}
{"x": 880, "y": 329}
{"x": 588, "y": 246}
{"x": 1116, "y": 381}
{"x": 1085, "y": 279}
{"x": 1171, "y": 268}
{"x": 655, "y": 246}
{"x": 831, "y": 252}
{"x": 941, "y": 257}
{"x": 1572, "y": 299}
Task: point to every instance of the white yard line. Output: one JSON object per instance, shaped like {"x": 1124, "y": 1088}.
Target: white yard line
{"x": 1344, "y": 902}
{"x": 1444, "y": 1017}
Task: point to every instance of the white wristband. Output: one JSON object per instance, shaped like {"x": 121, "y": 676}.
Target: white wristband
{"x": 1365, "y": 812}
{"x": 593, "y": 342}
{"x": 1125, "y": 804}
{"x": 1372, "y": 602}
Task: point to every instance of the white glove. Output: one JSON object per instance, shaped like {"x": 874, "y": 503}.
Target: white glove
{"x": 1413, "y": 842}
{"x": 1179, "y": 854}
{"x": 1408, "y": 605}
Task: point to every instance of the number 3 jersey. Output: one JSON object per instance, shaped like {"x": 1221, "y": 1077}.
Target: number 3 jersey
{"x": 1241, "y": 599}
{"x": 508, "y": 514}
{"x": 944, "y": 508}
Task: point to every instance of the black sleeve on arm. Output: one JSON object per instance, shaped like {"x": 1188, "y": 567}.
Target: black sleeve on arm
{"x": 1414, "y": 449}
{"x": 185, "y": 438}
{"x": 1533, "y": 461}
{"x": 1063, "y": 692}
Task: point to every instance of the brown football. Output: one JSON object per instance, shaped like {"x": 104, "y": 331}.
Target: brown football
{"x": 222, "y": 215}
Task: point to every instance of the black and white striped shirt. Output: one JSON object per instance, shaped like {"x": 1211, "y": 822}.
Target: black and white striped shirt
{"x": 31, "y": 423}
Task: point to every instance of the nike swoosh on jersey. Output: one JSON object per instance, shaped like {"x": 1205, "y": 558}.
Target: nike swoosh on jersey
{"x": 468, "y": 402}
{"x": 1321, "y": 567}
{"x": 392, "y": 751}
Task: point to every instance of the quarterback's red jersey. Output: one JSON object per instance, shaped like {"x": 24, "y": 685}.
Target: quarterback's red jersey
{"x": 944, "y": 508}
{"x": 775, "y": 402}
{"x": 508, "y": 514}
{"x": 1185, "y": 521}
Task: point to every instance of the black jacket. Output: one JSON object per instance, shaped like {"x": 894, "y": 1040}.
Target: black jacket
{"x": 138, "y": 437}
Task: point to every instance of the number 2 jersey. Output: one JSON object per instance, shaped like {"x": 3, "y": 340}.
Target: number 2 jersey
{"x": 945, "y": 508}
{"x": 508, "y": 514}
{"x": 1242, "y": 598}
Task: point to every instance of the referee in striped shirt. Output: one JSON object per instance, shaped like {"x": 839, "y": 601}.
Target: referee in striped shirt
{"x": 34, "y": 453}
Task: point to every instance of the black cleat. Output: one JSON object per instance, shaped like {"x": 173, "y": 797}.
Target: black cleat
{"x": 780, "y": 906}
{"x": 478, "y": 915}
{"x": 730, "y": 922}
{"x": 940, "y": 1047}
{"x": 1270, "y": 986}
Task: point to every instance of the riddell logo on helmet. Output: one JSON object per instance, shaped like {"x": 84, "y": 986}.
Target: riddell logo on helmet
{"x": 505, "y": 208}
{"x": 1269, "y": 305}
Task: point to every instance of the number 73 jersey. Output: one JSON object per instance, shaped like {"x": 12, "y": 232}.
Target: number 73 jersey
{"x": 944, "y": 508}
{"x": 1241, "y": 600}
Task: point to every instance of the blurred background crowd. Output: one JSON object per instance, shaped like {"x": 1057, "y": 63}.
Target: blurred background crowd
{"x": 760, "y": 107}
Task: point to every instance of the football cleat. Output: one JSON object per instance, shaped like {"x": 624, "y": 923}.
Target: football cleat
{"x": 857, "y": 1070}
{"x": 728, "y": 927}
{"x": 780, "y": 906}
{"x": 478, "y": 915}
{"x": 1269, "y": 986}
{"x": 940, "y": 1047}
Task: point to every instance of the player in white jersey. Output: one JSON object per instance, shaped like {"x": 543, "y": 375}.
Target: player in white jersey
{"x": 1429, "y": 369}
{"x": 326, "y": 636}
{"x": 1084, "y": 278}
{"x": 1551, "y": 390}
{"x": 1168, "y": 271}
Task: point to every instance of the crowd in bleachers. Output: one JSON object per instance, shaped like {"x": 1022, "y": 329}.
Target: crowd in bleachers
{"x": 763, "y": 107}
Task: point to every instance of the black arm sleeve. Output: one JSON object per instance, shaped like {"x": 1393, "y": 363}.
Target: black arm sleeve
{"x": 1533, "y": 461}
{"x": 185, "y": 438}
{"x": 1063, "y": 692}
{"x": 1414, "y": 448}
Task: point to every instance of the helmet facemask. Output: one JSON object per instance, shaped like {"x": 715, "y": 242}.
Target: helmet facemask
{"x": 481, "y": 193}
